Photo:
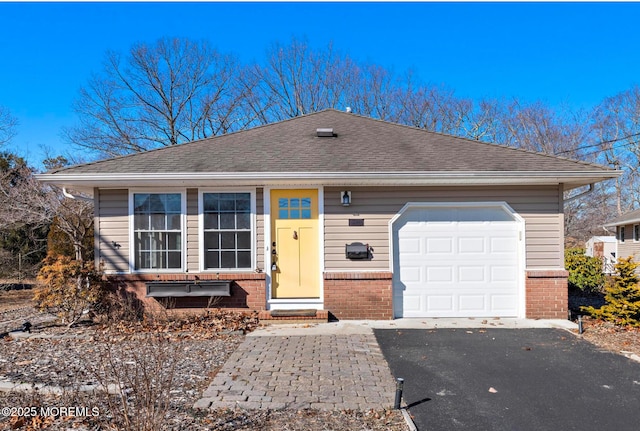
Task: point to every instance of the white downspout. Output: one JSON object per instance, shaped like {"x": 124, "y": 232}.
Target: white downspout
{"x": 70, "y": 196}
{"x": 579, "y": 195}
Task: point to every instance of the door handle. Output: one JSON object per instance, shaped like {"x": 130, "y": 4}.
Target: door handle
{"x": 295, "y": 234}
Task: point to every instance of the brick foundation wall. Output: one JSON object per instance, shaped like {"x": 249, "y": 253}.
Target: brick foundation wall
{"x": 248, "y": 290}
{"x": 547, "y": 294}
{"x": 358, "y": 295}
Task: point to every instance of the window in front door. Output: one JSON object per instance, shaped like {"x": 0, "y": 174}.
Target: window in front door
{"x": 294, "y": 208}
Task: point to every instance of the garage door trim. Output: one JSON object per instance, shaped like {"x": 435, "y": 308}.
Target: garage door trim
{"x": 485, "y": 204}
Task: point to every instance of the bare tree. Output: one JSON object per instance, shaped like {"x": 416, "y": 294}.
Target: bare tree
{"x": 24, "y": 201}
{"x": 616, "y": 125}
{"x": 374, "y": 91}
{"x": 22, "y": 198}
{"x": 298, "y": 80}
{"x": 163, "y": 94}
{"x": 434, "y": 108}
{"x": 8, "y": 124}
{"x": 535, "y": 127}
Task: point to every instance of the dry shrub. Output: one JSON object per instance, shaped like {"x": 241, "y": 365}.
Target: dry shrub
{"x": 69, "y": 288}
{"x": 135, "y": 376}
{"x": 120, "y": 305}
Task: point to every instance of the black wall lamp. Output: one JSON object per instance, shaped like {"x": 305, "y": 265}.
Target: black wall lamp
{"x": 345, "y": 197}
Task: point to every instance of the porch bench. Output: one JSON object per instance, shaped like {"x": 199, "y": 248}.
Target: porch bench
{"x": 167, "y": 289}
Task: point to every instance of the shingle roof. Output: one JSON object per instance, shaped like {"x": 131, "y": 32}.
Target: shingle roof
{"x": 360, "y": 144}
{"x": 627, "y": 218}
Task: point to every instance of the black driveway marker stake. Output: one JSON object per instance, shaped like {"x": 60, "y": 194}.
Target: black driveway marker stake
{"x": 399, "y": 385}
{"x": 580, "y": 329}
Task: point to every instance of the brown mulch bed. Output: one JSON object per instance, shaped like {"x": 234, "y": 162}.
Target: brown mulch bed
{"x": 605, "y": 335}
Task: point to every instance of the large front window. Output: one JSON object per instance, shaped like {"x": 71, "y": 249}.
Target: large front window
{"x": 227, "y": 230}
{"x": 157, "y": 221}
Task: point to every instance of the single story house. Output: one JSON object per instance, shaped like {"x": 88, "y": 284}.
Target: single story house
{"x": 606, "y": 248}
{"x": 627, "y": 230}
{"x": 334, "y": 211}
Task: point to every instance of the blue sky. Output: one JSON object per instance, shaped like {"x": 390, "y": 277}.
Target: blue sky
{"x": 571, "y": 53}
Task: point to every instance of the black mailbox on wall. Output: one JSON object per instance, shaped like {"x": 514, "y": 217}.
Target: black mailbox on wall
{"x": 357, "y": 250}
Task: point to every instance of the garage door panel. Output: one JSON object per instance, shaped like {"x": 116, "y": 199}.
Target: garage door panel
{"x": 475, "y": 303}
{"x": 439, "y": 303}
{"x": 455, "y": 262}
{"x": 439, "y": 274}
{"x": 439, "y": 245}
{"x": 471, "y": 245}
{"x": 505, "y": 303}
{"x": 413, "y": 303}
{"x": 410, "y": 274}
{"x": 471, "y": 274}
{"x": 410, "y": 245}
{"x": 504, "y": 273}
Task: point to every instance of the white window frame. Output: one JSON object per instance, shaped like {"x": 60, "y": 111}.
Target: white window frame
{"x": 636, "y": 232}
{"x": 183, "y": 231}
{"x": 253, "y": 216}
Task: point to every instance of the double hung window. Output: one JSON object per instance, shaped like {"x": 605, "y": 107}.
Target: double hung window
{"x": 227, "y": 235}
{"x": 157, "y": 230}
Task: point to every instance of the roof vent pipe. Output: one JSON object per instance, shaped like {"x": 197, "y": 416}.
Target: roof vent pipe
{"x": 324, "y": 132}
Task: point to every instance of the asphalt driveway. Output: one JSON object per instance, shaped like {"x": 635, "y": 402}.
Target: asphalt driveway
{"x": 511, "y": 379}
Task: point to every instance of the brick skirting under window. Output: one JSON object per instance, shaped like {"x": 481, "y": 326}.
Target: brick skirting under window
{"x": 248, "y": 290}
{"x": 359, "y": 295}
{"x": 547, "y": 294}
{"x": 348, "y": 295}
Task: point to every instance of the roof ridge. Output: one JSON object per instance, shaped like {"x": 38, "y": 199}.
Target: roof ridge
{"x": 494, "y": 144}
{"x": 386, "y": 123}
{"x": 167, "y": 147}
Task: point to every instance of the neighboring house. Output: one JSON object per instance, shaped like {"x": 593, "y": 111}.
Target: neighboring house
{"x": 627, "y": 229}
{"x": 335, "y": 211}
{"x": 606, "y": 248}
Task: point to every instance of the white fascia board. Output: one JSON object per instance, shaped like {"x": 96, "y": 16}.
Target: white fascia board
{"x": 572, "y": 179}
{"x": 623, "y": 223}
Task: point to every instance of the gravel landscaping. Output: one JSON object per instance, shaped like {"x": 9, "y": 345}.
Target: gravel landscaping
{"x": 163, "y": 368}
{"x": 164, "y": 365}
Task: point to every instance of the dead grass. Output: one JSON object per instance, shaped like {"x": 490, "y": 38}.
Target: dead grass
{"x": 15, "y": 299}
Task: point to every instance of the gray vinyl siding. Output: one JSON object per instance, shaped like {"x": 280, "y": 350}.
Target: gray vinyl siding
{"x": 112, "y": 222}
{"x": 260, "y": 228}
{"x": 112, "y": 225}
{"x": 629, "y": 247}
{"x": 193, "y": 234}
{"x": 540, "y": 207}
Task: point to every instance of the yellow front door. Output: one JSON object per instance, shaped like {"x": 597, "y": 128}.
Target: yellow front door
{"x": 295, "y": 271}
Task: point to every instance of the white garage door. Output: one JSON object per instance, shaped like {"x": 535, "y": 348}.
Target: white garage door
{"x": 457, "y": 260}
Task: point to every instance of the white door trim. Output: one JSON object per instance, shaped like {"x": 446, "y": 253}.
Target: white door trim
{"x": 291, "y": 304}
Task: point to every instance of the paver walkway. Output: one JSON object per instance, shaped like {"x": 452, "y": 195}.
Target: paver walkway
{"x": 324, "y": 372}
